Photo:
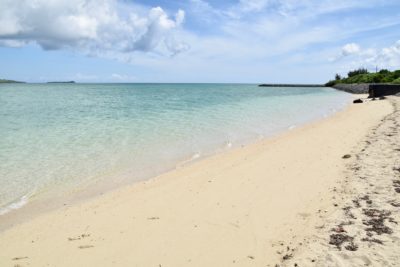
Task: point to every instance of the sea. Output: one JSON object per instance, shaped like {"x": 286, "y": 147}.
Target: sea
{"x": 58, "y": 139}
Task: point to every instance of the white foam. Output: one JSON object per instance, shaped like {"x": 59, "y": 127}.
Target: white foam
{"x": 189, "y": 160}
{"x": 14, "y": 205}
{"x": 195, "y": 156}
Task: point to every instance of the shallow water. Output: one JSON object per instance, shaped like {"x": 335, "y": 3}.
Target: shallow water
{"x": 55, "y": 138}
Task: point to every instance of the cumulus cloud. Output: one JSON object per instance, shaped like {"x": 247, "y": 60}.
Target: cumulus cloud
{"x": 91, "y": 26}
{"x": 350, "y": 49}
{"x": 391, "y": 55}
{"x": 386, "y": 57}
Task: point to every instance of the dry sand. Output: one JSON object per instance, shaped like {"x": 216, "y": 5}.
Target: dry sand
{"x": 259, "y": 205}
{"x": 364, "y": 230}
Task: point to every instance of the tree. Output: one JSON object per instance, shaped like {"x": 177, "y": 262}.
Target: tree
{"x": 384, "y": 71}
{"x": 330, "y": 83}
{"x": 338, "y": 77}
{"x": 356, "y": 72}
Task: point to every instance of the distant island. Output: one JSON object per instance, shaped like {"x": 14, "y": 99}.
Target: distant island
{"x": 9, "y": 81}
{"x": 62, "y": 82}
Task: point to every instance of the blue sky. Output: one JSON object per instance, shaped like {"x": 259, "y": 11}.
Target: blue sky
{"x": 253, "y": 41}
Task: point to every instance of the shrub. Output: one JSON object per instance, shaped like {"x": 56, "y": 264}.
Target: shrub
{"x": 362, "y": 76}
{"x": 377, "y": 78}
{"x": 384, "y": 71}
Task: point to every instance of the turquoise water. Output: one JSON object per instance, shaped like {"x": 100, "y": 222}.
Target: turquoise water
{"x": 55, "y": 138}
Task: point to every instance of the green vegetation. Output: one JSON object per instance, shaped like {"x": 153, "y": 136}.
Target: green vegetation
{"x": 363, "y": 76}
{"x": 8, "y": 81}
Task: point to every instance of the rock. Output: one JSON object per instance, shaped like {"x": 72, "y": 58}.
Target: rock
{"x": 346, "y": 156}
{"x": 357, "y": 101}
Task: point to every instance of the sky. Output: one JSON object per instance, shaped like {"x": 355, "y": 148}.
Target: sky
{"x": 253, "y": 41}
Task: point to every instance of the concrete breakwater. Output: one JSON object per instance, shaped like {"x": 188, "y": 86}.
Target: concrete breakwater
{"x": 290, "y": 85}
{"x": 378, "y": 90}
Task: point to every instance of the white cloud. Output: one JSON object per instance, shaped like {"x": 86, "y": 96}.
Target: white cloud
{"x": 386, "y": 57}
{"x": 350, "y": 49}
{"x": 204, "y": 12}
{"x": 296, "y": 8}
{"x": 91, "y": 26}
{"x": 11, "y": 43}
{"x": 227, "y": 41}
{"x": 253, "y": 5}
{"x": 122, "y": 77}
{"x": 250, "y": 45}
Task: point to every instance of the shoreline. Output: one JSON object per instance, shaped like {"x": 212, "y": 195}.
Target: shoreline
{"x": 30, "y": 206}
{"x": 237, "y": 207}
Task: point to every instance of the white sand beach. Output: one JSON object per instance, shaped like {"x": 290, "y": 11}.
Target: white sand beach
{"x": 271, "y": 203}
{"x": 364, "y": 228}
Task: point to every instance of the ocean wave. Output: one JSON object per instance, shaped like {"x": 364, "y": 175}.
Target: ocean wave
{"x": 15, "y": 205}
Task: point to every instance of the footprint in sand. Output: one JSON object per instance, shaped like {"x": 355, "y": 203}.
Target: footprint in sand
{"x": 78, "y": 237}
{"x": 304, "y": 215}
{"x": 19, "y": 258}
{"x": 86, "y": 246}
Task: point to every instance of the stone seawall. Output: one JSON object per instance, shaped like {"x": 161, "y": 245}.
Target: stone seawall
{"x": 362, "y": 88}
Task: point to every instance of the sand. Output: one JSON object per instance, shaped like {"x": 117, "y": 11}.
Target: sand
{"x": 259, "y": 205}
{"x": 364, "y": 229}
